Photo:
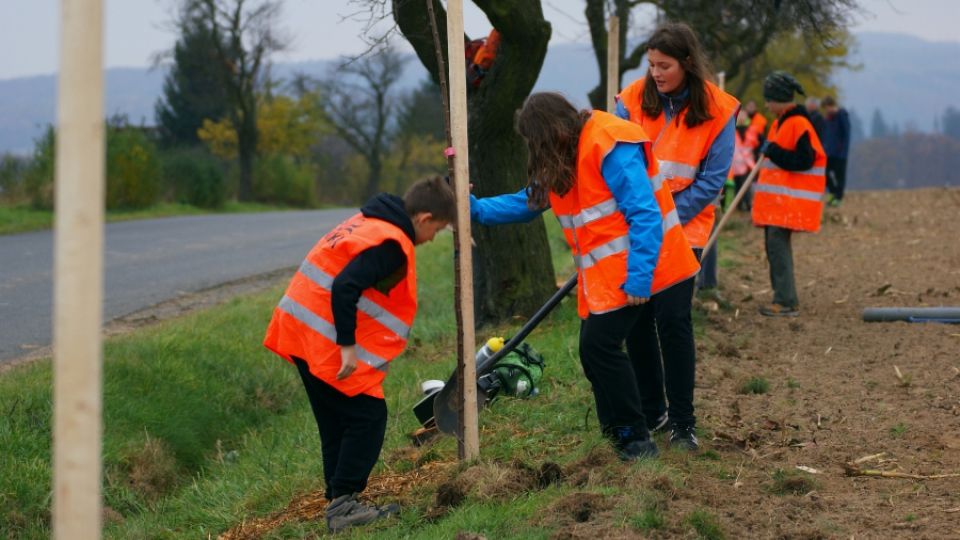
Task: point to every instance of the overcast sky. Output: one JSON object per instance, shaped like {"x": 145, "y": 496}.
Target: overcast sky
{"x": 138, "y": 29}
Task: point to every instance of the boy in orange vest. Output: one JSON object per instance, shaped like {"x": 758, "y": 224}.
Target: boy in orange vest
{"x": 344, "y": 317}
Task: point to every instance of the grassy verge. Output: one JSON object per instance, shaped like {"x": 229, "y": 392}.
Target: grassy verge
{"x": 17, "y": 219}
{"x": 204, "y": 430}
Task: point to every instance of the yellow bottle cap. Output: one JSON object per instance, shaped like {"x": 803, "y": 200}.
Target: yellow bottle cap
{"x": 495, "y": 343}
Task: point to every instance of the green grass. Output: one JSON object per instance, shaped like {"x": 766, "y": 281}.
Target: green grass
{"x": 755, "y": 385}
{"x": 705, "y": 525}
{"x": 899, "y": 430}
{"x": 22, "y": 218}
{"x": 205, "y": 429}
{"x": 790, "y": 482}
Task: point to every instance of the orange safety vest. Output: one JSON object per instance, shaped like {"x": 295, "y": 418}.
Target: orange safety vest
{"x": 681, "y": 149}
{"x": 791, "y": 199}
{"x": 743, "y": 161}
{"x": 487, "y": 53}
{"x": 758, "y": 125}
{"x": 302, "y": 324}
{"x": 597, "y": 231}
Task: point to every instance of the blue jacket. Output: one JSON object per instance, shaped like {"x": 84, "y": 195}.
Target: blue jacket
{"x": 713, "y": 169}
{"x": 836, "y": 136}
{"x": 625, "y": 171}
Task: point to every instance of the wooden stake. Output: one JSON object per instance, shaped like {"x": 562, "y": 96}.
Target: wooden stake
{"x": 78, "y": 274}
{"x": 470, "y": 443}
{"x": 613, "y": 63}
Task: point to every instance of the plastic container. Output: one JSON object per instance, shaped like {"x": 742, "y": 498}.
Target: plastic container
{"x": 490, "y": 348}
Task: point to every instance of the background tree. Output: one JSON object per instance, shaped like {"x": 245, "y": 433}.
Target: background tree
{"x": 192, "y": 91}
{"x": 807, "y": 57}
{"x": 878, "y": 126}
{"x": 243, "y": 35}
{"x": 856, "y": 127}
{"x": 734, "y": 33}
{"x": 513, "y": 272}
{"x": 421, "y": 112}
{"x": 361, "y": 102}
{"x": 286, "y": 125}
{"x": 951, "y": 123}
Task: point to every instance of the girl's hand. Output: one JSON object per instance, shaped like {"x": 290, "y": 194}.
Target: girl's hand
{"x": 636, "y": 300}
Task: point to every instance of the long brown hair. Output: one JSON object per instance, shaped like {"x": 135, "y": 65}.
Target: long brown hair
{"x": 677, "y": 40}
{"x": 551, "y": 126}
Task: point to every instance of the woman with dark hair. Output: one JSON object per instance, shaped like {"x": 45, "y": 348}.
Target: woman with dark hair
{"x": 598, "y": 174}
{"x": 692, "y": 124}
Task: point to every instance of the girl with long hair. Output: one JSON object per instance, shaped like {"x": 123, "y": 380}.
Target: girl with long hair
{"x": 692, "y": 124}
{"x": 597, "y": 173}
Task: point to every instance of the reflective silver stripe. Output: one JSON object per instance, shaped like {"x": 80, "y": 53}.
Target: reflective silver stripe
{"x": 371, "y": 359}
{"x": 616, "y": 245}
{"x": 588, "y": 215}
{"x": 816, "y": 171}
{"x": 598, "y": 211}
{"x": 371, "y": 308}
{"x": 384, "y": 317}
{"x": 656, "y": 182}
{"x": 299, "y": 312}
{"x": 789, "y": 192}
{"x": 326, "y": 329}
{"x": 670, "y": 220}
{"x": 672, "y": 169}
{"x": 316, "y": 275}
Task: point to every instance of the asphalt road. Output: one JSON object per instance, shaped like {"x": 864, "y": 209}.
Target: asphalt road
{"x": 149, "y": 261}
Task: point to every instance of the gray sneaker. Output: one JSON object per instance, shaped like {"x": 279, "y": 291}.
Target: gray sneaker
{"x": 346, "y": 511}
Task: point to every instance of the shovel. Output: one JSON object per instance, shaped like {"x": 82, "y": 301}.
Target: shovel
{"x": 446, "y": 402}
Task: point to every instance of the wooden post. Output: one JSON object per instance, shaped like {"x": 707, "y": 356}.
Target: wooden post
{"x": 613, "y": 63}
{"x": 78, "y": 274}
{"x": 470, "y": 443}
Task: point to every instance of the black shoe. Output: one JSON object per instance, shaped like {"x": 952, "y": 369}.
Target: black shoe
{"x": 658, "y": 424}
{"x": 631, "y": 445}
{"x": 684, "y": 438}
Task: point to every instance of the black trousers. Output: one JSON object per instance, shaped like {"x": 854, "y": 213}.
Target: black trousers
{"x": 351, "y": 433}
{"x": 780, "y": 256}
{"x": 746, "y": 203}
{"x": 667, "y": 355}
{"x": 611, "y": 372}
{"x": 836, "y": 176}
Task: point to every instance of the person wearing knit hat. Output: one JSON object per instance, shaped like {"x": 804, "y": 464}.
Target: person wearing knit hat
{"x": 780, "y": 86}
{"x": 788, "y": 193}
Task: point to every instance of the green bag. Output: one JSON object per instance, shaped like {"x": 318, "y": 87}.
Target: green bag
{"x": 520, "y": 371}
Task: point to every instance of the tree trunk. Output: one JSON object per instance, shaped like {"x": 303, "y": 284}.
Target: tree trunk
{"x": 373, "y": 176}
{"x": 513, "y": 271}
{"x": 246, "y": 150}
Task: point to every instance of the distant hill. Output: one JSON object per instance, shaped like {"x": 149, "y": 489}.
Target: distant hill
{"x": 911, "y": 80}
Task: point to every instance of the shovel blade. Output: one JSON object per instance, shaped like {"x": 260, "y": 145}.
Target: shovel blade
{"x": 446, "y": 406}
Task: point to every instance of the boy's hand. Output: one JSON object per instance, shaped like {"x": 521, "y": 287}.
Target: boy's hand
{"x": 348, "y": 362}
{"x": 636, "y": 300}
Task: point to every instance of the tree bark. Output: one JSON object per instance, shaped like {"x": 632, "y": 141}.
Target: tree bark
{"x": 513, "y": 271}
